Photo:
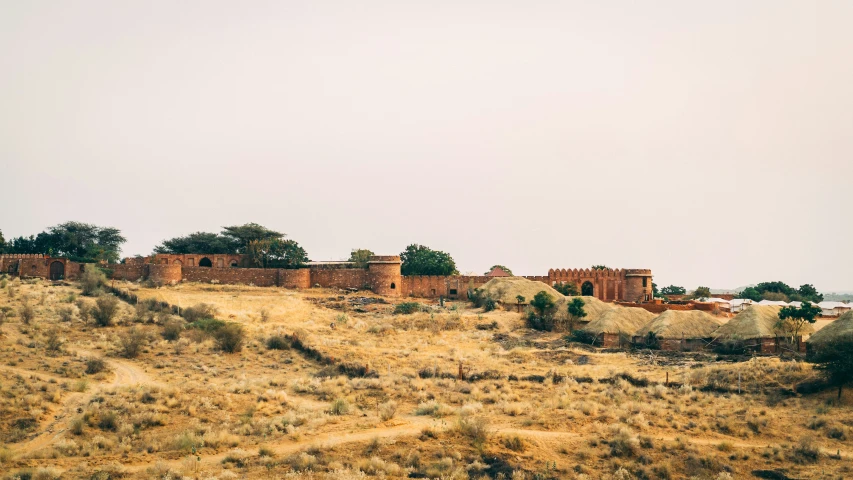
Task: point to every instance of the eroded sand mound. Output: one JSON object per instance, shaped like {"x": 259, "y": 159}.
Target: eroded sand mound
{"x": 506, "y": 289}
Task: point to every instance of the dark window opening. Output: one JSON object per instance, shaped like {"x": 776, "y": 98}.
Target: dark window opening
{"x": 233, "y": 263}
{"x": 393, "y": 286}
{"x": 433, "y": 291}
{"x": 587, "y": 290}
{"x": 645, "y": 281}
{"x": 453, "y": 291}
{"x": 205, "y": 262}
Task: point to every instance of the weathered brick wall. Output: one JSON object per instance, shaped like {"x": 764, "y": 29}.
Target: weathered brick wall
{"x": 340, "y": 277}
{"x": 434, "y": 286}
{"x": 299, "y": 278}
{"x": 384, "y": 274}
{"x": 37, "y": 266}
{"x": 131, "y": 272}
{"x": 165, "y": 274}
{"x": 262, "y": 277}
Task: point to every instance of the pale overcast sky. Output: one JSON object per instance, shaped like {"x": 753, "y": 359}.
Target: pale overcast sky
{"x": 709, "y": 141}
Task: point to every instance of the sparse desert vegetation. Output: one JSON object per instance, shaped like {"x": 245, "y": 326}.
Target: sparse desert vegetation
{"x": 247, "y": 382}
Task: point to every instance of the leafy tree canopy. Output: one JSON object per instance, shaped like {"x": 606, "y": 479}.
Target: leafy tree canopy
{"x": 600, "y": 267}
{"x": 702, "y": 292}
{"x": 502, "y": 267}
{"x": 242, "y": 235}
{"x": 234, "y": 239}
{"x": 576, "y": 310}
{"x": 835, "y": 359}
{"x": 568, "y": 289}
{"x": 77, "y": 241}
{"x": 750, "y": 293}
{"x": 276, "y": 253}
{"x": 675, "y": 290}
{"x": 2, "y": 243}
{"x": 360, "y": 257}
{"x": 543, "y": 304}
{"x": 792, "y": 319}
{"x": 198, "y": 242}
{"x": 421, "y": 260}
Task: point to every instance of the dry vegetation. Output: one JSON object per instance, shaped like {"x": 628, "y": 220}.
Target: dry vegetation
{"x": 318, "y": 384}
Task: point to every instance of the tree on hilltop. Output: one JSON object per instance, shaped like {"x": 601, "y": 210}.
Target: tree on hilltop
{"x": 422, "y": 260}
{"x": 576, "y": 312}
{"x": 600, "y": 267}
{"x": 2, "y": 243}
{"x": 541, "y": 317}
{"x": 569, "y": 289}
{"x": 360, "y": 257}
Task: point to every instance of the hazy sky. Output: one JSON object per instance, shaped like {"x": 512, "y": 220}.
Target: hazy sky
{"x": 709, "y": 141}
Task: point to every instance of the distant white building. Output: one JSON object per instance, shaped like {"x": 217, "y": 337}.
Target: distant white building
{"x": 834, "y": 309}
{"x": 738, "y": 304}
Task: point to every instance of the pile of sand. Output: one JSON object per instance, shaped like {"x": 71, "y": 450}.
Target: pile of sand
{"x": 681, "y": 324}
{"x": 625, "y": 320}
{"x": 506, "y": 289}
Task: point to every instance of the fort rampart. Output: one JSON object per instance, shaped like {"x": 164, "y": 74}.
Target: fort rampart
{"x": 382, "y": 275}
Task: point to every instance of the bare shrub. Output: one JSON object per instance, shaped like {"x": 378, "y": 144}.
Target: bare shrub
{"x": 84, "y": 310}
{"x": 339, "y": 407}
{"x": 131, "y": 342}
{"x": 53, "y": 341}
{"x": 806, "y": 451}
{"x": 230, "y": 337}
{"x": 105, "y": 310}
{"x": 92, "y": 281}
{"x": 66, "y": 313}
{"x": 278, "y": 342}
{"x": 172, "y": 329}
{"x": 387, "y": 410}
{"x": 95, "y": 365}
{"x": 199, "y": 311}
{"x": 475, "y": 428}
{"x": 27, "y": 312}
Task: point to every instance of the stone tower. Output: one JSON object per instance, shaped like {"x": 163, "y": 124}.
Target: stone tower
{"x": 385, "y": 275}
{"x": 638, "y": 285}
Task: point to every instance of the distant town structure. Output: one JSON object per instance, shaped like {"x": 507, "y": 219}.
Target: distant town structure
{"x": 382, "y": 275}
{"x": 498, "y": 272}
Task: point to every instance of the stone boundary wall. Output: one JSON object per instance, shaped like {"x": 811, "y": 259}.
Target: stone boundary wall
{"x": 339, "y": 277}
{"x": 131, "y": 272}
{"x": 261, "y": 277}
{"x": 662, "y": 307}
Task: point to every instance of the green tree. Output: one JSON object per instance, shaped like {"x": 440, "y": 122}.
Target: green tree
{"x": 600, "y": 267}
{"x": 835, "y": 359}
{"x": 421, "y": 260}
{"x": 243, "y": 235}
{"x": 198, "y": 242}
{"x": 276, "y": 253}
{"x": 2, "y": 243}
{"x": 576, "y": 312}
{"x": 701, "y": 292}
{"x": 807, "y": 292}
{"x": 78, "y": 241}
{"x": 655, "y": 291}
{"x": 360, "y": 256}
{"x": 502, "y": 267}
{"x": 792, "y": 319}
{"x": 675, "y": 290}
{"x": 750, "y": 293}
{"x": 543, "y": 304}
{"x": 568, "y": 289}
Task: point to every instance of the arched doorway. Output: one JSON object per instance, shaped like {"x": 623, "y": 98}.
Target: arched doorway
{"x": 57, "y": 271}
{"x": 587, "y": 289}
{"x": 205, "y": 262}
{"x": 233, "y": 263}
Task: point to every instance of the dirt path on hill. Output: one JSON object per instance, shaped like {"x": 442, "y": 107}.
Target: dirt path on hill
{"x": 125, "y": 373}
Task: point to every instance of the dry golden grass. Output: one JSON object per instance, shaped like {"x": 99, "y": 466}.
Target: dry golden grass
{"x": 530, "y": 405}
